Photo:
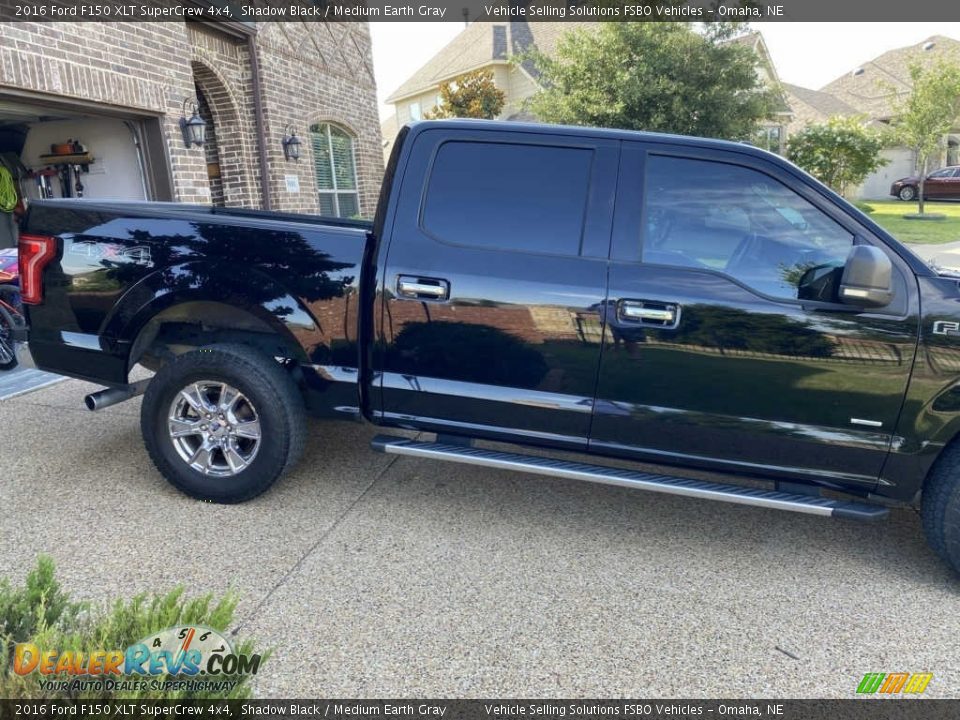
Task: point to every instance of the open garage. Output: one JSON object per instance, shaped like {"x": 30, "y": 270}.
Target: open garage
{"x": 63, "y": 149}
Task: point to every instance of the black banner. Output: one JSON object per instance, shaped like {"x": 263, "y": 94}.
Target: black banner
{"x": 856, "y": 709}
{"x": 253, "y": 11}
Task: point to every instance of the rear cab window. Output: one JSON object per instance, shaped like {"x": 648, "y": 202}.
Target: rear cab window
{"x": 509, "y": 196}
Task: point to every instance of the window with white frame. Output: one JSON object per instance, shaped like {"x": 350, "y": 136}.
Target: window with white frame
{"x": 416, "y": 113}
{"x": 770, "y": 138}
{"x": 335, "y": 167}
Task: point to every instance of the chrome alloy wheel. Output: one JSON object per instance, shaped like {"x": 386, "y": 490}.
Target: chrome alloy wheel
{"x": 214, "y": 428}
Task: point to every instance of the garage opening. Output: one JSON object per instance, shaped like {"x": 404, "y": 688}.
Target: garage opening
{"x": 62, "y": 151}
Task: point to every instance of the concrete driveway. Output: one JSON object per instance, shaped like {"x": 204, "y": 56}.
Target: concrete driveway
{"x": 381, "y": 576}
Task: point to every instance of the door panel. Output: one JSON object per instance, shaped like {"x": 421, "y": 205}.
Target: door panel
{"x": 952, "y": 186}
{"x": 933, "y": 187}
{"x": 733, "y": 376}
{"x": 494, "y": 284}
{"x": 939, "y": 183}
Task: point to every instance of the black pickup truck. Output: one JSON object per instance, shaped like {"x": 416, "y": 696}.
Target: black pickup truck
{"x": 684, "y": 302}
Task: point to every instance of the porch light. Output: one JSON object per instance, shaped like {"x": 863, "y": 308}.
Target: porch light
{"x": 195, "y": 129}
{"x": 291, "y": 144}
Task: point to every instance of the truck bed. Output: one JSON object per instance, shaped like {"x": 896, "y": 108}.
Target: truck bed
{"x": 127, "y": 272}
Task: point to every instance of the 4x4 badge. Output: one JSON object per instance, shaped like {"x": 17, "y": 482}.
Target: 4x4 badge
{"x": 946, "y": 327}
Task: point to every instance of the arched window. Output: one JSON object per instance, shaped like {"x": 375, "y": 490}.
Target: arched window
{"x": 335, "y": 166}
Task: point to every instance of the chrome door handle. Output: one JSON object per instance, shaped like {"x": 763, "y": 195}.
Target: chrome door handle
{"x": 421, "y": 288}
{"x": 649, "y": 312}
{"x": 635, "y": 312}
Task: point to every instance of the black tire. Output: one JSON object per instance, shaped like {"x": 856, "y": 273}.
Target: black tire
{"x": 941, "y": 506}
{"x": 273, "y": 398}
{"x": 907, "y": 193}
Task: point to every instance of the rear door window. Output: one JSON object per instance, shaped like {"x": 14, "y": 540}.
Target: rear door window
{"x": 508, "y": 196}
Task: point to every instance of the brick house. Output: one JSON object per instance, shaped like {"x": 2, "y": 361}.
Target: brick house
{"x": 494, "y": 47}
{"x": 480, "y": 46}
{"x": 120, "y": 90}
{"x": 871, "y": 92}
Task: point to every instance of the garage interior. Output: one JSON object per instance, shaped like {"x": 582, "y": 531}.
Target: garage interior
{"x": 69, "y": 150}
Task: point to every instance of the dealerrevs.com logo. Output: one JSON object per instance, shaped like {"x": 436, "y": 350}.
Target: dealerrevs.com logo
{"x": 179, "y": 658}
{"x": 894, "y": 683}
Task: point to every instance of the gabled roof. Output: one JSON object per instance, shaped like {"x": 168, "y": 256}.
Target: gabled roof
{"x": 823, "y": 104}
{"x": 754, "y": 40}
{"x": 874, "y": 87}
{"x": 481, "y": 44}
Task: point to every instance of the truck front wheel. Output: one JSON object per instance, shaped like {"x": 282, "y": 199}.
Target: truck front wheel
{"x": 223, "y": 423}
{"x": 941, "y": 506}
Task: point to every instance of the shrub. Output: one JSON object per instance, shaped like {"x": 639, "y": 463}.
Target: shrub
{"x": 42, "y": 613}
{"x": 840, "y": 153}
{"x": 38, "y": 604}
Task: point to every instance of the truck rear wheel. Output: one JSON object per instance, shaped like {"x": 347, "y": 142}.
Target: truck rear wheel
{"x": 223, "y": 423}
{"x": 941, "y": 506}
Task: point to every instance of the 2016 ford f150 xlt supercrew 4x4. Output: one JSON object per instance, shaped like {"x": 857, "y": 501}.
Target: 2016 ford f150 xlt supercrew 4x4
{"x": 687, "y": 302}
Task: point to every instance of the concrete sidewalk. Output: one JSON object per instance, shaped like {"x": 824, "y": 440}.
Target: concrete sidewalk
{"x": 381, "y": 576}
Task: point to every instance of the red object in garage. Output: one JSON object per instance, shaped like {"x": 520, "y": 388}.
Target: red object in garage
{"x": 8, "y": 265}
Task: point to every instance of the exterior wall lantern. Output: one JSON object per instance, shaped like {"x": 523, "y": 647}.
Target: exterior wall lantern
{"x": 291, "y": 144}
{"x": 195, "y": 129}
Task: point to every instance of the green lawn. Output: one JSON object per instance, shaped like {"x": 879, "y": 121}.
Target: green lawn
{"x": 889, "y": 214}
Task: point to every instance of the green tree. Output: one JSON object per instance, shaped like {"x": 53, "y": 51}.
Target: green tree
{"x": 474, "y": 95}
{"x": 658, "y": 76}
{"x": 923, "y": 118}
{"x": 840, "y": 152}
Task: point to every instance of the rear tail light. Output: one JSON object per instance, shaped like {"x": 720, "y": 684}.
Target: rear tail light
{"x": 34, "y": 253}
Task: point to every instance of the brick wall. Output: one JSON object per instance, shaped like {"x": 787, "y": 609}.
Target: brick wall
{"x": 320, "y": 72}
{"x": 211, "y": 150}
{"x": 221, "y": 69}
{"x": 143, "y": 66}
{"x": 311, "y": 72}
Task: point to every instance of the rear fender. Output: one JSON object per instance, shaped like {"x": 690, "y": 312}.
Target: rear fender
{"x": 241, "y": 288}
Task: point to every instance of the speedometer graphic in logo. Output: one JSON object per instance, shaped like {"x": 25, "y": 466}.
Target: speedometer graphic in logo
{"x": 180, "y": 650}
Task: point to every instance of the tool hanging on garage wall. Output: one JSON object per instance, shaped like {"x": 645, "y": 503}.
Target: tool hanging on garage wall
{"x": 44, "y": 184}
{"x": 69, "y": 161}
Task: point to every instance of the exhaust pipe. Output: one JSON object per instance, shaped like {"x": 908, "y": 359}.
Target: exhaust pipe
{"x": 113, "y": 396}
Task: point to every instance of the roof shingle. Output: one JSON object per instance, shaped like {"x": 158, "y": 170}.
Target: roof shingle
{"x": 874, "y": 87}
{"x": 822, "y": 103}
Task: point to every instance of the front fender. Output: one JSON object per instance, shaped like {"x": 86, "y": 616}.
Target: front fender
{"x": 232, "y": 284}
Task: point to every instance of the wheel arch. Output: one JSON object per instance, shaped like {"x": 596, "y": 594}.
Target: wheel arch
{"x": 918, "y": 446}
{"x": 164, "y": 304}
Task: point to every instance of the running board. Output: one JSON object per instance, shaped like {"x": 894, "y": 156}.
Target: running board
{"x": 629, "y": 478}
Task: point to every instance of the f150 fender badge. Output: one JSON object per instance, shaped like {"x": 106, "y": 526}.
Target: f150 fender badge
{"x": 946, "y": 327}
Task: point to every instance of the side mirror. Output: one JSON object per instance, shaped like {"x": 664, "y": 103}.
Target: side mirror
{"x": 867, "y": 279}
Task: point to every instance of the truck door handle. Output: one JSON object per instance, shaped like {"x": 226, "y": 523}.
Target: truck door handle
{"x": 423, "y": 288}
{"x": 650, "y": 312}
